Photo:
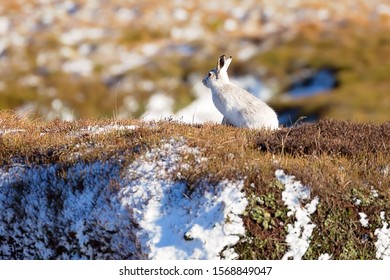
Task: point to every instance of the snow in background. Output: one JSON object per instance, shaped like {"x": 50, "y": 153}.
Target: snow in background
{"x": 299, "y": 234}
{"x": 158, "y": 107}
{"x": 314, "y": 83}
{"x": 202, "y": 109}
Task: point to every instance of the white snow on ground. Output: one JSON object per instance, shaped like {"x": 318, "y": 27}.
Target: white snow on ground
{"x": 127, "y": 61}
{"x": 385, "y": 170}
{"x": 102, "y": 211}
{"x": 81, "y": 66}
{"x": 254, "y": 86}
{"x": 324, "y": 257}
{"x": 77, "y": 35}
{"x": 356, "y": 201}
{"x": 383, "y": 243}
{"x": 374, "y": 193}
{"x": 363, "y": 219}
{"x": 96, "y": 129}
{"x": 7, "y": 131}
{"x": 294, "y": 195}
{"x": 173, "y": 223}
{"x": 202, "y": 109}
{"x": 72, "y": 216}
{"x": 159, "y": 107}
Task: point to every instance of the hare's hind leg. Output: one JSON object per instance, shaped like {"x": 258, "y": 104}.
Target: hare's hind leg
{"x": 226, "y": 122}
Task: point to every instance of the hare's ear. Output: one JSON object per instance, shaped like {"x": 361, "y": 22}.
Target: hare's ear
{"x": 223, "y": 63}
{"x": 226, "y": 63}
{"x": 222, "y": 66}
{"x": 220, "y": 62}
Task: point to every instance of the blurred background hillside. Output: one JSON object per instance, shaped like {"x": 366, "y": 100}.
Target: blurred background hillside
{"x": 146, "y": 59}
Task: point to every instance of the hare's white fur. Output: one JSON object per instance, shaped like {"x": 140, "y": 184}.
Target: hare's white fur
{"x": 238, "y": 107}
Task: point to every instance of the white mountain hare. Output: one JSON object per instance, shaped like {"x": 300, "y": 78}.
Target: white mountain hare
{"x": 238, "y": 107}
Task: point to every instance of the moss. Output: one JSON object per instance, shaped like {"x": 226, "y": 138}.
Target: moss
{"x": 255, "y": 248}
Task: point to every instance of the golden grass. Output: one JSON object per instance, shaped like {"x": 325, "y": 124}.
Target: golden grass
{"x": 338, "y": 178}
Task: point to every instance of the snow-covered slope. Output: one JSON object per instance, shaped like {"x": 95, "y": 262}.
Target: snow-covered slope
{"x": 95, "y": 211}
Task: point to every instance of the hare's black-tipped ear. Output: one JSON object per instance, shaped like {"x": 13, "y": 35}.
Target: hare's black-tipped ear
{"x": 221, "y": 62}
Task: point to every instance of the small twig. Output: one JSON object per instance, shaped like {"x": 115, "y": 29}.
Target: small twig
{"x": 288, "y": 132}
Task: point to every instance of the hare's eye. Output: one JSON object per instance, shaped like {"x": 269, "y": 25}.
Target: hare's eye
{"x": 210, "y": 74}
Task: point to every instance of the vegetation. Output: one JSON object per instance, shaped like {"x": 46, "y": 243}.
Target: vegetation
{"x": 357, "y": 52}
{"x": 360, "y": 58}
{"x": 345, "y": 164}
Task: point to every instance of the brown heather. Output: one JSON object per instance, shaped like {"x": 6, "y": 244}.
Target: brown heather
{"x": 329, "y": 137}
{"x": 340, "y": 161}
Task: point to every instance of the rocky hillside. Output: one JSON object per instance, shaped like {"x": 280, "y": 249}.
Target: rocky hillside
{"x": 127, "y": 189}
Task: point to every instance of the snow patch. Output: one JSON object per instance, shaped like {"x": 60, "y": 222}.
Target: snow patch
{"x": 78, "y": 35}
{"x": 81, "y": 66}
{"x": 324, "y": 257}
{"x": 374, "y": 193}
{"x": 383, "y": 243}
{"x": 127, "y": 62}
{"x": 52, "y": 212}
{"x": 98, "y": 211}
{"x": 11, "y": 131}
{"x": 363, "y": 219}
{"x": 174, "y": 224}
{"x": 159, "y": 107}
{"x": 385, "y": 171}
{"x": 202, "y": 109}
{"x": 356, "y": 201}
{"x": 298, "y": 237}
{"x": 96, "y": 129}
